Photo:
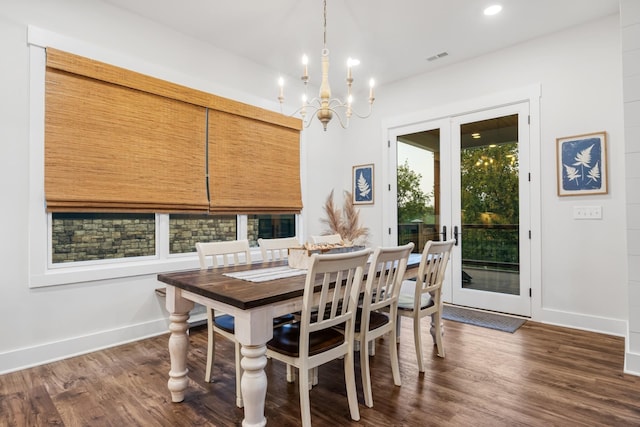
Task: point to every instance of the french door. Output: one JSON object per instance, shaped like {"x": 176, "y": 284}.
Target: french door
{"x": 471, "y": 173}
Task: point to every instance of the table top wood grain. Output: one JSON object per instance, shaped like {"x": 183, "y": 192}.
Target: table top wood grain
{"x": 213, "y": 284}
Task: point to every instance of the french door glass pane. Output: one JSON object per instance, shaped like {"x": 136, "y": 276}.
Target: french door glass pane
{"x": 418, "y": 201}
{"x": 490, "y": 205}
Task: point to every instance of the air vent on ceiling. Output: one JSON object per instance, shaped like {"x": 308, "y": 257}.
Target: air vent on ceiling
{"x": 437, "y": 56}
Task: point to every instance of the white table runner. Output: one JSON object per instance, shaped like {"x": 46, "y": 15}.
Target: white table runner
{"x": 266, "y": 274}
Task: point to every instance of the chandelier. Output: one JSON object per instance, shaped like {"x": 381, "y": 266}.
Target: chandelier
{"x": 324, "y": 107}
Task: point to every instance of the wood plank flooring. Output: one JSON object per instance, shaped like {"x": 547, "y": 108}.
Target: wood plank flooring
{"x": 539, "y": 376}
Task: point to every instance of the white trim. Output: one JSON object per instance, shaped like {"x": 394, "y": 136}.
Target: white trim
{"x": 29, "y": 357}
{"x": 603, "y": 325}
{"x": 632, "y": 363}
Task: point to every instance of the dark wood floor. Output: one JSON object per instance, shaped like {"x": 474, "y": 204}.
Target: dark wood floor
{"x": 539, "y": 376}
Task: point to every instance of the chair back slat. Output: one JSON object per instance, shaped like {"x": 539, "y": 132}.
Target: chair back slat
{"x": 277, "y": 249}
{"x": 340, "y": 276}
{"x": 384, "y": 279}
{"x": 222, "y": 254}
{"x": 433, "y": 266}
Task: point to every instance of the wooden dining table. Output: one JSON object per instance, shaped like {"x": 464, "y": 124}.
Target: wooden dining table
{"x": 253, "y": 305}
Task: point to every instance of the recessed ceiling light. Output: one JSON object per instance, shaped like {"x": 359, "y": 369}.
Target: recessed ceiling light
{"x": 493, "y": 10}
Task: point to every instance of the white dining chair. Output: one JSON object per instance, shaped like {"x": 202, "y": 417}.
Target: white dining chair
{"x": 335, "y": 279}
{"x": 219, "y": 254}
{"x": 423, "y": 297}
{"x": 277, "y": 249}
{"x": 378, "y": 314}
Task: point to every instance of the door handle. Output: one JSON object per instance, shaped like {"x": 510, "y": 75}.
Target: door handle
{"x": 455, "y": 234}
{"x": 444, "y": 233}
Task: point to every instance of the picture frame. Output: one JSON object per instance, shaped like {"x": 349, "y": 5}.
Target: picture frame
{"x": 363, "y": 185}
{"x": 582, "y": 164}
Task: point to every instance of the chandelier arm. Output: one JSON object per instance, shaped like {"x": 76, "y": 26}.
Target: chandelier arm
{"x": 335, "y": 102}
{"x": 360, "y": 116}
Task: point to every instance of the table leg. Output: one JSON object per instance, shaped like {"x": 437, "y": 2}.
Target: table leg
{"x": 254, "y": 384}
{"x": 178, "y": 308}
{"x": 178, "y": 347}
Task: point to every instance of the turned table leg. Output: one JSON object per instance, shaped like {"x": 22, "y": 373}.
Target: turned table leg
{"x": 178, "y": 343}
{"x": 178, "y": 347}
{"x": 254, "y": 385}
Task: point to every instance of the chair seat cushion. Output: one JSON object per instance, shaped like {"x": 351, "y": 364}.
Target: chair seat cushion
{"x": 281, "y": 320}
{"x": 286, "y": 340}
{"x": 407, "y": 296}
{"x": 227, "y": 322}
{"x": 376, "y": 320}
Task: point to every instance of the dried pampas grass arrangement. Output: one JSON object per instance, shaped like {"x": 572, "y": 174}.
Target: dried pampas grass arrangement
{"x": 345, "y": 222}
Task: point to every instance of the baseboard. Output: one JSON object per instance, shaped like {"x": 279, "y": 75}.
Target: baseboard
{"x": 632, "y": 363}
{"x": 24, "y": 358}
{"x": 603, "y": 325}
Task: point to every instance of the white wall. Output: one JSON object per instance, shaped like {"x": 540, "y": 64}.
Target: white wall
{"x": 38, "y": 325}
{"x": 580, "y": 75}
{"x": 630, "y": 30}
{"x": 583, "y": 282}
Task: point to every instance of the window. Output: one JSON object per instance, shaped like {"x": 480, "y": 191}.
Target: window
{"x": 91, "y": 237}
{"x": 144, "y": 213}
{"x": 77, "y": 237}
{"x": 270, "y": 227}
{"x": 186, "y": 230}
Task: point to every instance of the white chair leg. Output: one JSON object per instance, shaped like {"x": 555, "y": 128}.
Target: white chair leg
{"x": 239, "y": 371}
{"x": 372, "y": 347}
{"x": 437, "y": 332}
{"x": 418, "y": 342}
{"x": 398, "y": 318}
{"x": 314, "y": 378}
{"x": 305, "y": 407}
{"x": 211, "y": 346}
{"x": 393, "y": 355}
{"x": 350, "y": 380}
{"x": 291, "y": 376}
{"x": 365, "y": 373}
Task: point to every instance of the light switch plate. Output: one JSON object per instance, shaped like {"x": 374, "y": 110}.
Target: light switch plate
{"x": 587, "y": 212}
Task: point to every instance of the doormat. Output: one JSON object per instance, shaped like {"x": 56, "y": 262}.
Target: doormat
{"x": 482, "y": 318}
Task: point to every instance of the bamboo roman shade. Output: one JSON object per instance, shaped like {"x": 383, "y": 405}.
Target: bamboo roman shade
{"x": 253, "y": 166}
{"x": 119, "y": 141}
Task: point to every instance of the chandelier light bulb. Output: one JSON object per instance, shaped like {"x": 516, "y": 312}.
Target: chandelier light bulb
{"x": 281, "y": 85}
{"x": 305, "y": 63}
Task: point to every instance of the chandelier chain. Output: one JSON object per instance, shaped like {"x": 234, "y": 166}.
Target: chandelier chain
{"x": 325, "y": 24}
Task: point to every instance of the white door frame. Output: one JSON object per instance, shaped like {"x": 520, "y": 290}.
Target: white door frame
{"x": 420, "y": 120}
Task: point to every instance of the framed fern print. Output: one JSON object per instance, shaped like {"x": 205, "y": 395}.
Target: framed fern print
{"x": 363, "y": 184}
{"x": 582, "y": 164}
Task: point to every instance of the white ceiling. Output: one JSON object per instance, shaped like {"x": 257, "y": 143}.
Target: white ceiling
{"x": 392, "y": 38}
